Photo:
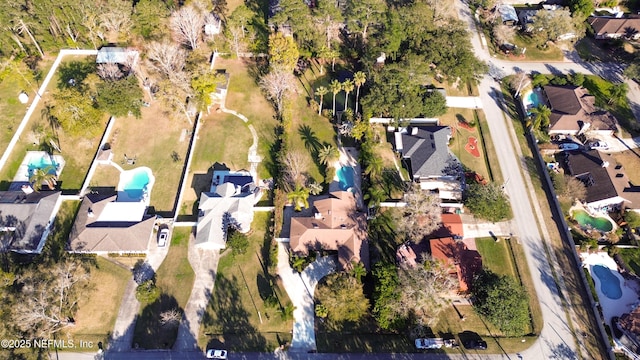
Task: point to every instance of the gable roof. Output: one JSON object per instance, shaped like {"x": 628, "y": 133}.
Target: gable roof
{"x": 425, "y": 150}
{"x": 588, "y": 168}
{"x": 92, "y": 232}
{"x": 572, "y": 107}
{"x": 609, "y": 25}
{"x": 116, "y": 55}
{"x": 507, "y": 13}
{"x": 24, "y": 219}
{"x": 336, "y": 225}
{"x": 459, "y": 260}
{"x": 451, "y": 226}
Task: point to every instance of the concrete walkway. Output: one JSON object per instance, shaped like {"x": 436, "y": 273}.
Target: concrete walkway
{"x": 205, "y": 266}
{"x": 254, "y": 158}
{"x": 474, "y": 228}
{"x": 300, "y": 289}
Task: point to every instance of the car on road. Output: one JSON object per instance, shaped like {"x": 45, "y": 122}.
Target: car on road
{"x": 568, "y": 146}
{"x": 216, "y": 354}
{"x": 429, "y": 343}
{"x": 163, "y": 235}
{"x": 474, "y": 344}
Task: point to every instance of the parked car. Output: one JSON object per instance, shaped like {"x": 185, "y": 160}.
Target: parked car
{"x": 569, "y": 146}
{"x": 216, "y": 354}
{"x": 429, "y": 343}
{"x": 163, "y": 235}
{"x": 598, "y": 145}
{"x": 475, "y": 344}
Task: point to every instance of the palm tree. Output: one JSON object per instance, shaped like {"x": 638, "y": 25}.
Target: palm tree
{"x": 299, "y": 197}
{"x": 359, "y": 79}
{"x": 348, "y": 87}
{"x": 541, "y": 116}
{"x": 46, "y": 175}
{"x": 328, "y": 154}
{"x": 335, "y": 88}
{"x": 375, "y": 195}
{"x": 618, "y": 92}
{"x": 315, "y": 188}
{"x": 374, "y": 166}
{"x": 299, "y": 263}
{"x": 358, "y": 271}
{"x": 321, "y": 91}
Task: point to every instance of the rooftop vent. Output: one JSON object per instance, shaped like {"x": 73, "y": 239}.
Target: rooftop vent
{"x": 414, "y": 131}
{"x": 315, "y": 226}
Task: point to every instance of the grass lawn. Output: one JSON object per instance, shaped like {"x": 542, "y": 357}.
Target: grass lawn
{"x": 78, "y": 151}
{"x": 98, "y": 308}
{"x": 600, "y": 88}
{"x": 496, "y": 256}
{"x": 631, "y": 257}
{"x": 532, "y": 53}
{"x": 175, "y": 280}
{"x": 453, "y": 118}
{"x": 630, "y": 159}
{"x": 155, "y": 141}
{"x": 363, "y": 337}
{"x": 242, "y": 285}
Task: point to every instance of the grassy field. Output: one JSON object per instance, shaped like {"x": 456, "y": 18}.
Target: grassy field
{"x": 453, "y": 118}
{"x": 570, "y": 273}
{"x": 600, "y": 88}
{"x": 155, "y": 141}
{"x": 630, "y": 159}
{"x": 98, "y": 308}
{"x": 78, "y": 151}
{"x": 496, "y": 256}
{"x": 175, "y": 280}
{"x": 238, "y": 318}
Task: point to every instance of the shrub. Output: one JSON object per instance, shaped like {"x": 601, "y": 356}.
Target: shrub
{"x": 488, "y": 202}
{"x": 147, "y": 292}
{"x": 237, "y": 241}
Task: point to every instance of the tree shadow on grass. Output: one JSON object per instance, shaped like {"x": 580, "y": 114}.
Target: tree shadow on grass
{"x": 73, "y": 74}
{"x": 227, "y": 320}
{"x": 310, "y": 139}
{"x": 149, "y": 332}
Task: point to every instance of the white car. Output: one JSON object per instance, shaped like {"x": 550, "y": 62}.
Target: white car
{"x": 569, "y": 146}
{"x": 163, "y": 235}
{"x": 216, "y": 354}
{"x": 429, "y": 343}
{"x": 598, "y": 145}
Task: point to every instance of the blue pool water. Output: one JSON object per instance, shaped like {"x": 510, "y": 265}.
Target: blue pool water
{"x": 531, "y": 101}
{"x": 609, "y": 283}
{"x": 137, "y": 185}
{"x": 346, "y": 175}
{"x": 41, "y": 162}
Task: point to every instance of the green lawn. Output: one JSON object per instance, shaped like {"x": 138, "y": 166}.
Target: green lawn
{"x": 496, "y": 256}
{"x": 98, "y": 308}
{"x": 600, "y": 88}
{"x": 175, "y": 280}
{"x": 532, "y": 53}
{"x": 631, "y": 257}
{"x": 239, "y": 316}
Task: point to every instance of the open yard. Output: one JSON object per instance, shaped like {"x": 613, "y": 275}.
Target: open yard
{"x": 496, "y": 256}
{"x": 244, "y": 313}
{"x": 631, "y": 257}
{"x": 78, "y": 151}
{"x": 154, "y": 141}
{"x": 175, "y": 280}
{"x": 98, "y": 308}
{"x": 630, "y": 159}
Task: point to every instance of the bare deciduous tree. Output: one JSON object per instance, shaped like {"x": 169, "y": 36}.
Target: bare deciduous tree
{"x": 295, "y": 165}
{"x": 171, "y": 317}
{"x": 22, "y": 27}
{"x": 186, "y": 25}
{"x": 117, "y": 19}
{"x": 278, "y": 83}
{"x": 47, "y": 302}
{"x": 91, "y": 21}
{"x": 165, "y": 57}
{"x": 421, "y": 216}
{"x": 504, "y": 34}
{"x": 109, "y": 71}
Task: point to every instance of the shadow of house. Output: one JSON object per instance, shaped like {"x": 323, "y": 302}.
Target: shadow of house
{"x": 104, "y": 225}
{"x": 608, "y": 186}
{"x": 229, "y": 202}
{"x": 334, "y": 225}
{"x": 573, "y": 111}
{"x": 25, "y": 220}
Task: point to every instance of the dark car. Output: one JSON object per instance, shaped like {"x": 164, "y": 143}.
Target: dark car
{"x": 475, "y": 344}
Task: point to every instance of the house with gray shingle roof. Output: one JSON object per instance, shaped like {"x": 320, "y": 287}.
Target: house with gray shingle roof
{"x": 426, "y": 156}
{"x": 104, "y": 225}
{"x": 25, "y": 220}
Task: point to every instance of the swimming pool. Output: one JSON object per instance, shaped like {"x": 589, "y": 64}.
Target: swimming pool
{"x": 346, "y": 175}
{"x": 42, "y": 162}
{"x": 34, "y": 160}
{"x": 609, "y": 282}
{"x": 135, "y": 184}
{"x": 530, "y": 101}
{"x": 584, "y": 219}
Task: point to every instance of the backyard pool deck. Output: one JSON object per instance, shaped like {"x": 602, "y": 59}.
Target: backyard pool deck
{"x": 611, "y": 307}
{"x": 349, "y": 157}
{"x": 35, "y": 160}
